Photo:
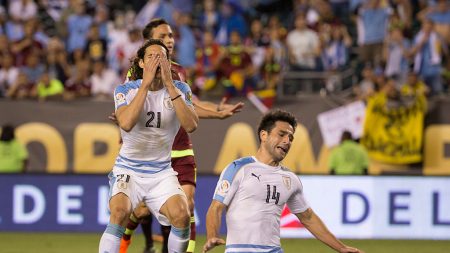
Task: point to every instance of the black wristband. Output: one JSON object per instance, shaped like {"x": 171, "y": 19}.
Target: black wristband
{"x": 175, "y": 97}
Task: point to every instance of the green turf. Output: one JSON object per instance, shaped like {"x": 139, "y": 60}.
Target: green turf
{"x": 80, "y": 243}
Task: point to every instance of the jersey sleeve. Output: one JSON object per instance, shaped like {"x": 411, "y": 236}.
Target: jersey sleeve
{"x": 228, "y": 183}
{"x": 297, "y": 202}
{"x": 185, "y": 90}
{"x": 120, "y": 96}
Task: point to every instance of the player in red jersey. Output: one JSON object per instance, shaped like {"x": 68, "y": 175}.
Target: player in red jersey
{"x": 183, "y": 160}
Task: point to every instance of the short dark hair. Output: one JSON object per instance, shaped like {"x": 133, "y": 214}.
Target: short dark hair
{"x": 268, "y": 121}
{"x": 7, "y": 133}
{"x": 136, "y": 71}
{"x": 346, "y": 135}
{"x": 147, "y": 33}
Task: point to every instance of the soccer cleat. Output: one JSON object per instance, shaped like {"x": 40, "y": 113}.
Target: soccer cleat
{"x": 124, "y": 244}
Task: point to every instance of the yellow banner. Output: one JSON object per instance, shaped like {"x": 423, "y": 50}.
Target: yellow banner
{"x": 393, "y": 131}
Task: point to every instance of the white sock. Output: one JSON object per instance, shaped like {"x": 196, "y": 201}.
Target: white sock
{"x": 110, "y": 241}
{"x": 178, "y": 239}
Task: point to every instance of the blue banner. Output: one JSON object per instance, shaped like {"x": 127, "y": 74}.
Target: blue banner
{"x": 71, "y": 203}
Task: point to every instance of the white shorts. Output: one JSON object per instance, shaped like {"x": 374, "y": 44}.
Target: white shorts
{"x": 154, "y": 190}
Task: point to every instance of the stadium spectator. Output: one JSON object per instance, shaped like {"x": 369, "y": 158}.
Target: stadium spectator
{"x": 236, "y": 72}
{"x": 103, "y": 80}
{"x": 440, "y": 15}
{"x": 78, "y": 25}
{"x": 396, "y": 54}
{"x": 48, "y": 88}
{"x": 367, "y": 86}
{"x": 414, "y": 86}
{"x": 21, "y": 88}
{"x": 303, "y": 46}
{"x": 230, "y": 19}
{"x": 207, "y": 61}
{"x": 253, "y": 190}
{"x": 27, "y": 45}
{"x": 185, "y": 47}
{"x": 372, "y": 24}
{"x": 22, "y": 10}
{"x": 335, "y": 52}
{"x": 79, "y": 83}
{"x": 33, "y": 68}
{"x": 270, "y": 70}
{"x": 349, "y": 158}
{"x": 8, "y": 73}
{"x": 13, "y": 155}
{"x": 256, "y": 42}
{"x": 209, "y": 17}
{"x": 427, "y": 50}
{"x": 96, "y": 46}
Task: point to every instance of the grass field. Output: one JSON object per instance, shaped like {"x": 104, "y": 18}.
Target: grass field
{"x": 84, "y": 242}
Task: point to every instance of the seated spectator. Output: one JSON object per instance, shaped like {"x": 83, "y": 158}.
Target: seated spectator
{"x": 79, "y": 83}
{"x": 13, "y": 155}
{"x": 5, "y": 45}
{"x": 103, "y": 81}
{"x": 48, "y": 88}
{"x": 21, "y": 88}
{"x": 303, "y": 46}
{"x": 33, "y": 68}
{"x": 235, "y": 70}
{"x": 428, "y": 52}
{"x": 349, "y": 158}
{"x": 367, "y": 86}
{"x": 8, "y": 73}
{"x": 414, "y": 86}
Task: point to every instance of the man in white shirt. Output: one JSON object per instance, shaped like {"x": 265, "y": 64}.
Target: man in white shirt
{"x": 254, "y": 191}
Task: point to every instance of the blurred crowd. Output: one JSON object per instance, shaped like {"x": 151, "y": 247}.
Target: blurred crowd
{"x": 66, "y": 49}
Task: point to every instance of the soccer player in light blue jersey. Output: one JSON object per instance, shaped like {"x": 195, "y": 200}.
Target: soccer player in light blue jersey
{"x": 149, "y": 109}
{"x": 253, "y": 191}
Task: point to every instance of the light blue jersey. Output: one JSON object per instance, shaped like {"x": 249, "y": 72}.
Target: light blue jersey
{"x": 146, "y": 148}
{"x": 255, "y": 194}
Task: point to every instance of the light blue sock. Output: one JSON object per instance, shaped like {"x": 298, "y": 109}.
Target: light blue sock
{"x": 178, "y": 239}
{"x": 110, "y": 241}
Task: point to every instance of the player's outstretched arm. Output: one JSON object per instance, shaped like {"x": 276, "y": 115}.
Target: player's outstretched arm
{"x": 213, "y": 222}
{"x": 186, "y": 114}
{"x": 315, "y": 225}
{"x": 208, "y": 110}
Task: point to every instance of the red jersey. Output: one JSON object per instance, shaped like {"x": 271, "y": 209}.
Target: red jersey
{"x": 182, "y": 140}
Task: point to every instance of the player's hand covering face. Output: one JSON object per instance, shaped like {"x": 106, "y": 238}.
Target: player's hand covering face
{"x": 150, "y": 63}
{"x": 166, "y": 74}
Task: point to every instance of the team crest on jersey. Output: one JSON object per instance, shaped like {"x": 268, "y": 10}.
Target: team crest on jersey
{"x": 189, "y": 97}
{"x": 120, "y": 98}
{"x": 224, "y": 187}
{"x": 168, "y": 103}
{"x": 122, "y": 185}
{"x": 287, "y": 182}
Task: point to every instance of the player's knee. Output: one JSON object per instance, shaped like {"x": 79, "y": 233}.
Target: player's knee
{"x": 119, "y": 215}
{"x": 180, "y": 218}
